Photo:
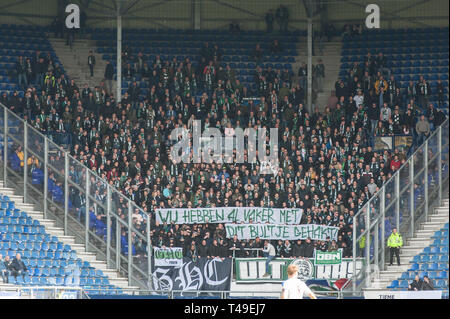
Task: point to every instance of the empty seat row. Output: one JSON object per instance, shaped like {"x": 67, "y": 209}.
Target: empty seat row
{"x": 426, "y": 258}
{"x": 431, "y": 262}
{"x": 432, "y": 266}
{"x": 44, "y": 255}
{"x": 55, "y": 281}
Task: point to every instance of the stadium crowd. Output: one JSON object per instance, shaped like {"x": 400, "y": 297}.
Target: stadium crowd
{"x": 328, "y": 164}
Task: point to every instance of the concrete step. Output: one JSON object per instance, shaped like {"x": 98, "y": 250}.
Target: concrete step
{"x": 384, "y": 282}
{"x": 48, "y": 224}
{"x": 26, "y": 207}
{"x": 382, "y": 276}
{"x": 380, "y": 284}
{"x": 35, "y": 216}
{"x": 433, "y": 226}
{"x": 5, "y": 190}
{"x": 418, "y": 242}
{"x": 122, "y": 283}
{"x": 439, "y": 219}
{"x": 425, "y": 233}
{"x": 79, "y": 248}
{"x": 412, "y": 249}
{"x": 377, "y": 285}
{"x": 444, "y": 212}
{"x": 395, "y": 268}
{"x": 8, "y": 192}
{"x": 407, "y": 258}
{"x": 441, "y": 209}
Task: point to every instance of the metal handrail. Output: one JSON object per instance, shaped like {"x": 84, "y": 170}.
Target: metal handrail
{"x": 89, "y": 198}
{"x": 8, "y": 114}
{"x": 397, "y": 173}
{"x": 367, "y": 209}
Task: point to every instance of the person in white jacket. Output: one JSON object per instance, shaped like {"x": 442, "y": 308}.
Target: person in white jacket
{"x": 358, "y": 98}
{"x": 294, "y": 288}
{"x": 269, "y": 252}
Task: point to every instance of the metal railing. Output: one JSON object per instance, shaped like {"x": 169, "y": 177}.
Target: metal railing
{"x": 70, "y": 193}
{"x": 403, "y": 202}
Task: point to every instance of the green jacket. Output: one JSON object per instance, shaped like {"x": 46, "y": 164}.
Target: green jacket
{"x": 395, "y": 240}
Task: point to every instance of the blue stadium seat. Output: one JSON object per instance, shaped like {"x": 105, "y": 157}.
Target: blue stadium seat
{"x": 443, "y": 266}
{"x": 435, "y": 250}
{"x": 432, "y": 274}
{"x": 441, "y": 284}
{"x": 19, "y": 280}
{"x": 424, "y": 267}
{"x": 414, "y": 267}
{"x": 35, "y": 281}
{"x": 27, "y": 280}
{"x": 404, "y": 276}
{"x": 59, "y": 281}
{"x": 403, "y": 284}
{"x": 435, "y": 258}
{"x": 442, "y": 275}
{"x": 433, "y": 267}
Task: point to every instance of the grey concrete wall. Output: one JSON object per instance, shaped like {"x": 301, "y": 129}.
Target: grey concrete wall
{"x": 217, "y": 14}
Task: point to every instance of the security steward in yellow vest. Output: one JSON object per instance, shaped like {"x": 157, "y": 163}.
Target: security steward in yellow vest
{"x": 394, "y": 243}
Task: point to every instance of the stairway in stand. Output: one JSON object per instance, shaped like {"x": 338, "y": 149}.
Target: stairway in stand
{"x": 113, "y": 276}
{"x": 75, "y": 60}
{"x": 413, "y": 247}
{"x": 331, "y": 57}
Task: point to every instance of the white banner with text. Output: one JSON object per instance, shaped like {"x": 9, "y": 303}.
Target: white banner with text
{"x": 283, "y": 232}
{"x": 279, "y": 216}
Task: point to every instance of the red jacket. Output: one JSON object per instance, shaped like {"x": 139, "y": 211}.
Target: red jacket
{"x": 395, "y": 165}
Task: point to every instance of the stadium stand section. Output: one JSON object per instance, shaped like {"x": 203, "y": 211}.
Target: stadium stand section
{"x": 409, "y": 53}
{"x": 431, "y": 262}
{"x": 235, "y": 50}
{"x": 176, "y": 46}
{"x": 49, "y": 261}
{"x": 424, "y": 244}
{"x": 21, "y": 40}
{"x": 142, "y": 38}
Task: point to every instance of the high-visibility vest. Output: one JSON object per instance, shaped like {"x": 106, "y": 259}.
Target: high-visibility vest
{"x": 395, "y": 240}
{"x": 362, "y": 242}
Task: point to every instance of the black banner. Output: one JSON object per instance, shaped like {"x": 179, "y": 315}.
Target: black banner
{"x": 201, "y": 274}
